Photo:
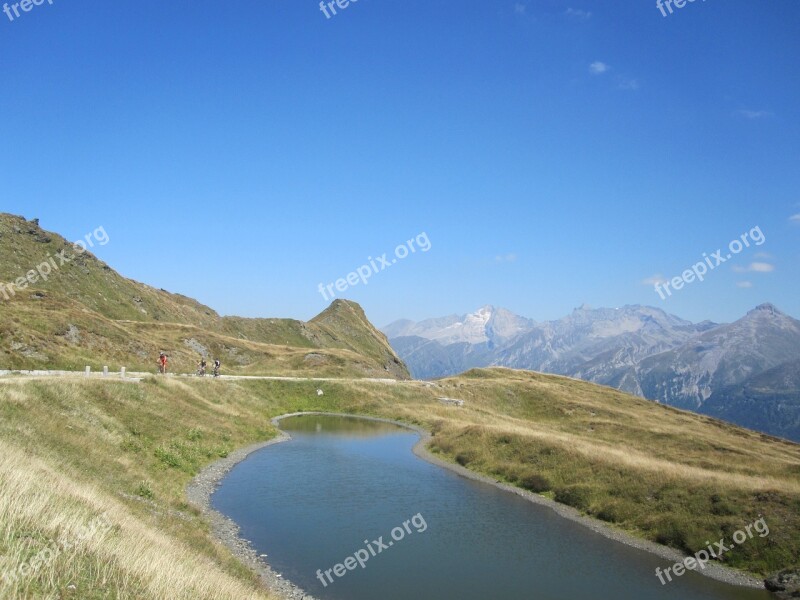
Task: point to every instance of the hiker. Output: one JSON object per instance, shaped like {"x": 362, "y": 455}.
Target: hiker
{"x": 216, "y": 367}
{"x": 162, "y": 364}
{"x": 202, "y": 370}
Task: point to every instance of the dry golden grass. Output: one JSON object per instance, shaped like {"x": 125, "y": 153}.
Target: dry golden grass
{"x": 65, "y": 538}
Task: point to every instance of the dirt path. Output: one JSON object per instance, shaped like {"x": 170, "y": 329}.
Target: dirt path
{"x": 139, "y": 375}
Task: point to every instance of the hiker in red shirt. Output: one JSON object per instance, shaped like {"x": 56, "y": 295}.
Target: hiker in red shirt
{"x": 162, "y": 364}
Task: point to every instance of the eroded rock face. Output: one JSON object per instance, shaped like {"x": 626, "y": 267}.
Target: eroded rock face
{"x": 196, "y": 346}
{"x": 784, "y": 584}
{"x": 73, "y": 335}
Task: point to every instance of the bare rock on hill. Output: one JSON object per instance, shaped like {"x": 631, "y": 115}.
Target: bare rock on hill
{"x": 784, "y": 584}
{"x": 196, "y": 346}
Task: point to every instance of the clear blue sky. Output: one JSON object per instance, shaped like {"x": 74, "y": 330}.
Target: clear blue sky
{"x": 554, "y": 152}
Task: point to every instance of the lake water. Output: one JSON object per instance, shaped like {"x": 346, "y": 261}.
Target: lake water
{"x": 342, "y": 483}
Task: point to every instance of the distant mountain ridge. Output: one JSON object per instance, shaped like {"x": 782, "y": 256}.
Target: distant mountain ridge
{"x": 727, "y": 355}
{"x": 506, "y": 339}
{"x": 487, "y": 324}
{"x": 638, "y": 349}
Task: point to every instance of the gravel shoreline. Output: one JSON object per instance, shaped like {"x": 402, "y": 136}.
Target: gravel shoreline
{"x": 198, "y": 493}
{"x": 713, "y": 571}
{"x": 226, "y": 531}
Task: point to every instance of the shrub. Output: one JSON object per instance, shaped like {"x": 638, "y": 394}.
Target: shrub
{"x": 464, "y": 458}
{"x": 129, "y": 444}
{"x": 670, "y": 533}
{"x": 721, "y": 507}
{"x": 534, "y": 482}
{"x": 168, "y": 458}
{"x": 144, "y": 490}
{"x": 444, "y": 446}
{"x": 611, "y": 513}
{"x": 578, "y": 496}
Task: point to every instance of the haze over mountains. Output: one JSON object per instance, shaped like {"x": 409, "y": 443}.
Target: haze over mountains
{"x": 745, "y": 372}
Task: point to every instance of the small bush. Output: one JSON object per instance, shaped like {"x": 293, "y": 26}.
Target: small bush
{"x": 534, "y": 482}
{"x": 442, "y": 445}
{"x": 168, "y": 458}
{"x": 670, "y": 533}
{"x": 611, "y": 513}
{"x": 464, "y": 458}
{"x": 144, "y": 490}
{"x": 721, "y": 507}
{"x": 129, "y": 444}
{"x": 578, "y": 496}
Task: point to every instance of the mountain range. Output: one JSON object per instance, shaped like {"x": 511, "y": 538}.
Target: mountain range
{"x": 745, "y": 372}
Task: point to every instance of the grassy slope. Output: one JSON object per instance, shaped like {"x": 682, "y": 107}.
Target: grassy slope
{"x": 345, "y": 325}
{"x": 87, "y": 314}
{"x": 129, "y": 449}
{"x": 57, "y": 333}
{"x": 662, "y": 474}
{"x": 88, "y": 281}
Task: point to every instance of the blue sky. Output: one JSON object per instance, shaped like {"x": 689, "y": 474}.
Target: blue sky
{"x": 554, "y": 152}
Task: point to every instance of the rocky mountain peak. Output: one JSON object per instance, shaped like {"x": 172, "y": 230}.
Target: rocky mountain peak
{"x": 766, "y": 308}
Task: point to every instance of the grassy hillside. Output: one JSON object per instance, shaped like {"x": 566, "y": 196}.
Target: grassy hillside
{"x": 76, "y": 450}
{"x": 666, "y": 475}
{"x": 344, "y": 325}
{"x": 73, "y": 453}
{"x": 85, "y": 313}
{"x": 87, "y": 281}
